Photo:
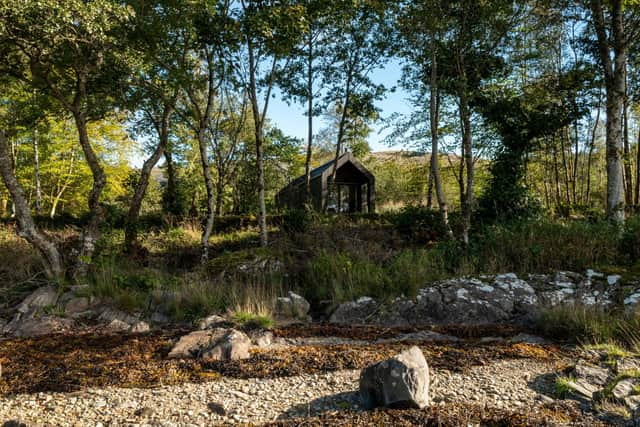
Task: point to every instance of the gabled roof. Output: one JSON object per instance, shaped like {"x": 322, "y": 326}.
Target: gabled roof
{"x": 326, "y": 169}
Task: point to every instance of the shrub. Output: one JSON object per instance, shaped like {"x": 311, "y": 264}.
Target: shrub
{"x": 538, "y": 246}
{"x": 297, "y": 220}
{"x": 419, "y": 223}
{"x": 336, "y": 277}
{"x": 252, "y": 320}
{"x": 630, "y": 240}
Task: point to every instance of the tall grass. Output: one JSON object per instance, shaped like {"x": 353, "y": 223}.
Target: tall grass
{"x": 591, "y": 326}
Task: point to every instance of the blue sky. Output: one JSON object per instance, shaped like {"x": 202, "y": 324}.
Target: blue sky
{"x": 293, "y": 122}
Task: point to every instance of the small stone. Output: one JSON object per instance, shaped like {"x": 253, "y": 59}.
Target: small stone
{"x": 144, "y": 412}
{"x": 140, "y": 327}
{"x": 117, "y": 325}
{"x": 217, "y": 409}
{"x": 262, "y": 338}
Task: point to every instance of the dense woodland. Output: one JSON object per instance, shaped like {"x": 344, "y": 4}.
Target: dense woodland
{"x": 521, "y": 109}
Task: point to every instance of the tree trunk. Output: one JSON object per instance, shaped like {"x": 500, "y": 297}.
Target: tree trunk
{"x": 614, "y": 84}
{"x": 307, "y": 162}
{"x": 430, "y": 187}
{"x": 258, "y": 119}
{"x": 637, "y": 194}
{"x": 592, "y": 146}
{"x": 131, "y": 226}
{"x": 628, "y": 176}
{"x": 26, "y": 227}
{"x": 219, "y": 197}
{"x": 434, "y": 110}
{"x": 208, "y": 183}
{"x": 36, "y": 171}
{"x": 170, "y": 191}
{"x": 91, "y": 231}
{"x": 467, "y": 202}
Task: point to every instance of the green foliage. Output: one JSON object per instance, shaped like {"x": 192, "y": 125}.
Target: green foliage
{"x": 252, "y": 320}
{"x": 526, "y": 246}
{"x": 419, "y": 223}
{"x": 630, "y": 240}
{"x": 563, "y": 386}
{"x": 522, "y": 119}
{"x": 337, "y": 277}
{"x": 608, "y": 331}
{"x": 297, "y": 220}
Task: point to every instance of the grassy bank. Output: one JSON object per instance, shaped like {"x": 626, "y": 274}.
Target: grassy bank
{"x": 327, "y": 259}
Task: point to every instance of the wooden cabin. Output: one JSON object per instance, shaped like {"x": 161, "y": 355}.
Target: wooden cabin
{"x": 354, "y": 190}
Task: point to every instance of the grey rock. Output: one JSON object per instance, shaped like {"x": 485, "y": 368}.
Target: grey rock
{"x": 293, "y": 306}
{"x": 145, "y": 412}
{"x": 584, "y": 388}
{"x": 193, "y": 344}
{"x": 627, "y": 364}
{"x": 469, "y": 301}
{"x": 399, "y": 382}
{"x": 140, "y": 327}
{"x": 210, "y": 322}
{"x": 632, "y": 402}
{"x": 3, "y": 324}
{"x": 37, "y": 326}
{"x": 527, "y": 339}
{"x": 109, "y": 314}
{"x": 356, "y": 312}
{"x": 262, "y": 338}
{"x": 159, "y": 318}
{"x": 117, "y": 325}
{"x": 234, "y": 345}
{"x": 625, "y": 388}
{"x": 592, "y": 374}
{"x": 39, "y": 299}
{"x": 76, "y": 305}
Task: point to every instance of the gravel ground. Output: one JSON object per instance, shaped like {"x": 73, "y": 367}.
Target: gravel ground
{"x": 509, "y": 384}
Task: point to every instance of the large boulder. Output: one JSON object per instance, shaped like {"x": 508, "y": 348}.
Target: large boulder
{"x": 234, "y": 345}
{"x": 400, "y": 382}
{"x": 358, "y": 312}
{"x": 293, "y": 306}
{"x": 45, "y": 296}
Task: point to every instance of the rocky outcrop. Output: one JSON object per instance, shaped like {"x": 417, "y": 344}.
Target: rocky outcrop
{"x": 612, "y": 379}
{"x": 399, "y": 382}
{"x": 355, "y": 313}
{"x": 490, "y": 299}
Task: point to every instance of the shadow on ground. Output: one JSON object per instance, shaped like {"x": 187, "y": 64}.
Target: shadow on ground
{"x": 347, "y": 401}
